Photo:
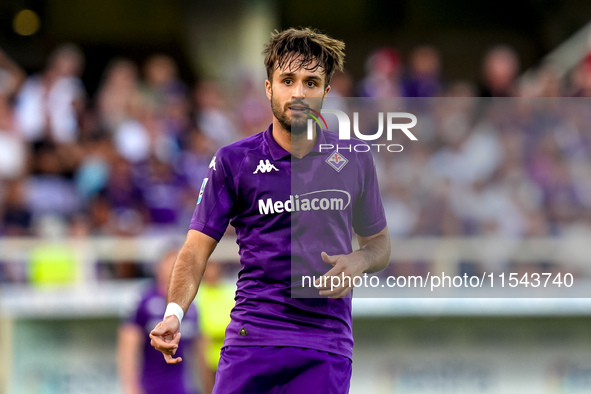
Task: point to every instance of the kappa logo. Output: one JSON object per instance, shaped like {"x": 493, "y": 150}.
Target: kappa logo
{"x": 337, "y": 161}
{"x": 212, "y": 163}
{"x": 265, "y": 166}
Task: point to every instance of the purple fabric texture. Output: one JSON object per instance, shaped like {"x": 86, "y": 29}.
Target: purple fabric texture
{"x": 285, "y": 370}
{"x": 244, "y": 181}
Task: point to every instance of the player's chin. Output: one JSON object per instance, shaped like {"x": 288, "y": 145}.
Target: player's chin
{"x": 298, "y": 125}
{"x": 298, "y": 117}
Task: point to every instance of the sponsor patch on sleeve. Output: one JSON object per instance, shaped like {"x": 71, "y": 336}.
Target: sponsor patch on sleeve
{"x": 202, "y": 188}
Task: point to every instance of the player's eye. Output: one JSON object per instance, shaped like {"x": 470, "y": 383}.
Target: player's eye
{"x": 287, "y": 81}
{"x": 311, "y": 84}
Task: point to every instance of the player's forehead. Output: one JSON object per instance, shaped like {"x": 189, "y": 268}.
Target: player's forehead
{"x": 296, "y": 64}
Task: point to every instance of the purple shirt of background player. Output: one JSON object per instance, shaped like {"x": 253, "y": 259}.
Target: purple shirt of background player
{"x": 156, "y": 375}
{"x": 141, "y": 367}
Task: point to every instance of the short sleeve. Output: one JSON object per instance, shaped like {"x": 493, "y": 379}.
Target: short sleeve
{"x": 368, "y": 212}
{"x": 216, "y": 199}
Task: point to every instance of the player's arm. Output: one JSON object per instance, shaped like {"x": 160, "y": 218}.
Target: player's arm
{"x": 184, "y": 281}
{"x": 129, "y": 340}
{"x": 372, "y": 256}
{"x": 375, "y": 251}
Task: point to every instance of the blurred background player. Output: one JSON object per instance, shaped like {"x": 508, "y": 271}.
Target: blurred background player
{"x": 141, "y": 368}
{"x": 214, "y": 301}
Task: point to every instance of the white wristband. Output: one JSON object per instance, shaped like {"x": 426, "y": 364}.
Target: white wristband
{"x": 174, "y": 309}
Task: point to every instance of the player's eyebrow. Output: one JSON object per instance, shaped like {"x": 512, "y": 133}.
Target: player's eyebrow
{"x": 314, "y": 77}
{"x": 308, "y": 77}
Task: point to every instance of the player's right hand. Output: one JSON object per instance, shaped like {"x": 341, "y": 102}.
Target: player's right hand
{"x": 165, "y": 338}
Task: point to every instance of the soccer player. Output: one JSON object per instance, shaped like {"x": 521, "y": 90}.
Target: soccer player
{"x": 293, "y": 205}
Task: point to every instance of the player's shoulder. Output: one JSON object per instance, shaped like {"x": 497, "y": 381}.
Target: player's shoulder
{"x": 235, "y": 156}
{"x": 248, "y": 143}
{"x": 331, "y": 137}
{"x": 236, "y": 151}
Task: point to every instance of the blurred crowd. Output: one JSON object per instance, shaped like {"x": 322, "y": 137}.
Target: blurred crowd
{"x": 130, "y": 159}
{"x": 507, "y": 168}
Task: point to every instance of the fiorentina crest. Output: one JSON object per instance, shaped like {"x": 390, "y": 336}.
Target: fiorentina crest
{"x": 337, "y": 161}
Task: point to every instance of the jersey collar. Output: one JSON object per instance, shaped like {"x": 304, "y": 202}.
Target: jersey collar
{"x": 277, "y": 152}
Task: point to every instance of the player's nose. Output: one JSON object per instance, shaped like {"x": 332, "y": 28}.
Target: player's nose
{"x": 298, "y": 90}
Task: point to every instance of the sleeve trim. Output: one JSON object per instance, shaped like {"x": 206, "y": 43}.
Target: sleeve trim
{"x": 371, "y": 230}
{"x": 206, "y": 230}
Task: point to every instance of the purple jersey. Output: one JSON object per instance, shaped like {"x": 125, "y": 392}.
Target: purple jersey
{"x": 286, "y": 211}
{"x": 156, "y": 375}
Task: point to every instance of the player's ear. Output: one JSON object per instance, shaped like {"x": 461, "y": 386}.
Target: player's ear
{"x": 268, "y": 89}
{"x": 326, "y": 90}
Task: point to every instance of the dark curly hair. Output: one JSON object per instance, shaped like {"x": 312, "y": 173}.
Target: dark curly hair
{"x": 304, "y": 47}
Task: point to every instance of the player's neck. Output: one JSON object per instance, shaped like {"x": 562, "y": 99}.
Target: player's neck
{"x": 298, "y": 145}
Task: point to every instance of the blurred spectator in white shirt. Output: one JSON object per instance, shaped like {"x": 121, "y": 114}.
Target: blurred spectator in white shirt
{"x": 12, "y": 147}
{"x": 119, "y": 95}
{"x": 213, "y": 118}
{"x": 48, "y": 105}
{"x": 168, "y": 93}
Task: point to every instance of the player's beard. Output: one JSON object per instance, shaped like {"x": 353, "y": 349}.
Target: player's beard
{"x": 298, "y": 122}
